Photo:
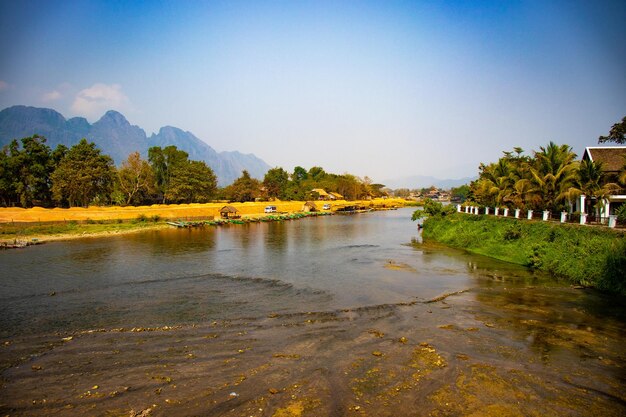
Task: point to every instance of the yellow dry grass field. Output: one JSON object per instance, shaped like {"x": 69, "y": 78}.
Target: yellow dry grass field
{"x": 170, "y": 211}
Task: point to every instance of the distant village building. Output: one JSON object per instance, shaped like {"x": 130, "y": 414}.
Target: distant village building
{"x": 335, "y": 196}
{"x": 229, "y": 212}
{"x": 321, "y": 194}
{"x": 309, "y": 206}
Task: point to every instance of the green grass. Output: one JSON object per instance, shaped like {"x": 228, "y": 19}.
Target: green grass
{"x": 590, "y": 256}
{"x": 10, "y": 231}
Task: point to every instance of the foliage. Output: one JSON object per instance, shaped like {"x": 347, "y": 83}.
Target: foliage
{"x": 583, "y": 255}
{"x": 460, "y": 193}
{"x": 135, "y": 179}
{"x": 245, "y": 188}
{"x": 545, "y": 181}
{"x": 617, "y": 133}
{"x": 164, "y": 162}
{"x": 25, "y": 172}
{"x": 432, "y": 209}
{"x": 276, "y": 182}
{"x": 191, "y": 181}
{"x": 84, "y": 174}
{"x": 621, "y": 214}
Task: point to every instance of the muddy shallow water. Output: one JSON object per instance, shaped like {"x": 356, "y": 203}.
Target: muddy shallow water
{"x": 318, "y": 317}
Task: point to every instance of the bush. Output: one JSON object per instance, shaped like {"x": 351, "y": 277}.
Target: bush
{"x": 433, "y": 209}
{"x": 155, "y": 218}
{"x": 142, "y": 218}
{"x": 621, "y": 214}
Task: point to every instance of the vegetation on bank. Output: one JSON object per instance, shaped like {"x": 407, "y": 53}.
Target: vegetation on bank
{"x": 584, "y": 255}
{"x": 32, "y": 174}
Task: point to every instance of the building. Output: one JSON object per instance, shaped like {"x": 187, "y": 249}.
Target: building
{"x": 613, "y": 159}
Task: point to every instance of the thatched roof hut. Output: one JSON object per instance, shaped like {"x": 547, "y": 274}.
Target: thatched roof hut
{"x": 229, "y": 212}
{"x": 309, "y": 206}
{"x": 322, "y": 194}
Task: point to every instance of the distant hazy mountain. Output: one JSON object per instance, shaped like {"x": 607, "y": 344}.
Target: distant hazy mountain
{"x": 116, "y": 137}
{"x": 422, "y": 181}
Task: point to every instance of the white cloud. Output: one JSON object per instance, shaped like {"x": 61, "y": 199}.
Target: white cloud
{"x": 3, "y": 85}
{"x": 53, "y": 95}
{"x": 92, "y": 102}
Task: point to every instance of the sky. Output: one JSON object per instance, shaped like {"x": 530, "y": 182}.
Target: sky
{"x": 387, "y": 89}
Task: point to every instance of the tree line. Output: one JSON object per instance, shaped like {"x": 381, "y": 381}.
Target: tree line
{"x": 33, "y": 174}
{"x": 550, "y": 179}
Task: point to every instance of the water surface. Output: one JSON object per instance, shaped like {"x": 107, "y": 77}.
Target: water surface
{"x": 334, "y": 315}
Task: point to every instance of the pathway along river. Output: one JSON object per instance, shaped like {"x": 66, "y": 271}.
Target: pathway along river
{"x": 329, "y": 316}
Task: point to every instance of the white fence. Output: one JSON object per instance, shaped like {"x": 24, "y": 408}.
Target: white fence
{"x": 544, "y": 215}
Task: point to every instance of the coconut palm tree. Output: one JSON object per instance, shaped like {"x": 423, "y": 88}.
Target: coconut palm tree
{"x": 553, "y": 173}
{"x": 592, "y": 183}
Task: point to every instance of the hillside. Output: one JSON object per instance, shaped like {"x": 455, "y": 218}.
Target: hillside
{"x": 116, "y": 137}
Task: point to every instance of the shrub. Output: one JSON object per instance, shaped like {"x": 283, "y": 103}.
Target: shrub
{"x": 155, "y": 218}
{"x": 142, "y": 217}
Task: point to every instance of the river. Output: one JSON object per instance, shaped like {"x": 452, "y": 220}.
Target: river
{"x": 328, "y": 316}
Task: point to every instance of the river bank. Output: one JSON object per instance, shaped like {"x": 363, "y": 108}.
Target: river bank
{"x": 23, "y": 227}
{"x": 583, "y": 255}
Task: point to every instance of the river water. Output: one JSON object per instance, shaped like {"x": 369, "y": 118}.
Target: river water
{"x": 328, "y": 316}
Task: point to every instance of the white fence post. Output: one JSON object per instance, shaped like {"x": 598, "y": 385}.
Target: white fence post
{"x": 545, "y": 215}
{"x": 530, "y": 214}
{"x": 458, "y": 208}
{"x": 486, "y": 210}
{"x": 612, "y": 220}
{"x": 583, "y": 218}
{"x": 563, "y": 216}
{"x": 517, "y": 213}
{"x": 497, "y": 210}
{"x": 506, "y": 212}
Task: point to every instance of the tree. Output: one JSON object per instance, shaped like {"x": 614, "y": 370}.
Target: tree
{"x": 617, "y": 133}
{"x": 553, "y": 173}
{"x": 191, "y": 182}
{"x": 245, "y": 188}
{"x": 591, "y": 181}
{"x": 276, "y": 181}
{"x": 164, "y": 162}
{"x": 460, "y": 193}
{"x": 83, "y": 175}
{"x": 135, "y": 179}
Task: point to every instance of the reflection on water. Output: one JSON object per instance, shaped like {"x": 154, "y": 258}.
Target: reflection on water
{"x": 328, "y": 316}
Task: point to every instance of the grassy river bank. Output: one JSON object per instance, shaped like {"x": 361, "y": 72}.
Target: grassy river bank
{"x": 40, "y": 225}
{"x": 584, "y": 255}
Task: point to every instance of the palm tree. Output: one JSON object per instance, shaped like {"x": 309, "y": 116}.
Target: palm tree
{"x": 592, "y": 183}
{"x": 553, "y": 173}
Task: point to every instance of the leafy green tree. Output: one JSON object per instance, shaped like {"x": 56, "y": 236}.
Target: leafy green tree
{"x": 460, "y": 193}
{"x": 192, "y": 182}
{"x": 245, "y": 188}
{"x": 299, "y": 174}
{"x": 164, "y": 162}
{"x": 617, "y": 133}
{"x": 432, "y": 209}
{"x": 135, "y": 179}
{"x": 276, "y": 181}
{"x": 83, "y": 175}
{"x": 25, "y": 172}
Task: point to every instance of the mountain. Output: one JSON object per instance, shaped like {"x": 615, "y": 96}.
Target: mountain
{"x": 116, "y": 137}
{"x": 423, "y": 181}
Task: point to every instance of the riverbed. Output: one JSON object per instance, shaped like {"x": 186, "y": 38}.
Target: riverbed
{"x": 329, "y": 316}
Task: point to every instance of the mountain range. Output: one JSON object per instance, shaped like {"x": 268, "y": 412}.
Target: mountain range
{"x": 116, "y": 137}
{"x": 423, "y": 181}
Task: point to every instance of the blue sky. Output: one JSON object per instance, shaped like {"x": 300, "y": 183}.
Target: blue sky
{"x": 385, "y": 89}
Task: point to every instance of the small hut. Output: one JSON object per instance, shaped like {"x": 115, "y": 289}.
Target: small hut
{"x": 321, "y": 194}
{"x": 309, "y": 206}
{"x": 229, "y": 212}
